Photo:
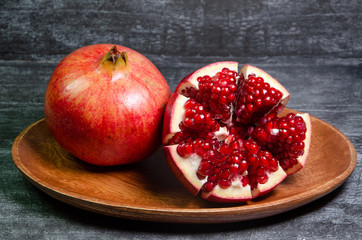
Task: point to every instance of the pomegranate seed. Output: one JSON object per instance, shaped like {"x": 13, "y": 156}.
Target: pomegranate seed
{"x": 199, "y": 118}
{"x": 234, "y": 168}
{"x": 245, "y": 181}
{"x": 200, "y": 177}
{"x": 225, "y": 183}
{"x": 252, "y": 147}
{"x": 187, "y": 149}
{"x": 262, "y": 179}
{"x": 264, "y": 162}
{"x": 208, "y": 186}
{"x": 244, "y": 165}
{"x": 205, "y": 167}
{"x": 180, "y": 150}
{"x": 210, "y": 155}
{"x": 273, "y": 165}
{"x": 224, "y": 149}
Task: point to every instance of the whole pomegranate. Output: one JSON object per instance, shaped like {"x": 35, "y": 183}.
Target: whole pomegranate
{"x": 104, "y": 104}
{"x": 224, "y": 137}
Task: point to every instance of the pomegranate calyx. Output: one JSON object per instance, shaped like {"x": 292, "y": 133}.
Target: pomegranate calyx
{"x": 115, "y": 59}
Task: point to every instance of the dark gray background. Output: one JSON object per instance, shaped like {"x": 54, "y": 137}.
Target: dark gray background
{"x": 312, "y": 47}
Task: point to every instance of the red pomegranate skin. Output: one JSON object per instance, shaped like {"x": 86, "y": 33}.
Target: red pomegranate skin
{"x": 106, "y": 114}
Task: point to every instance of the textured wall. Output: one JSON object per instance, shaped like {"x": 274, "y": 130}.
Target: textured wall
{"x": 38, "y": 30}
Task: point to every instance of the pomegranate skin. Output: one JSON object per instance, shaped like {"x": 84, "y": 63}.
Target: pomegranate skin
{"x": 106, "y": 113}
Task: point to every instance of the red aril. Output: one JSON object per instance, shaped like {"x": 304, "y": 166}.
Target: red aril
{"x": 258, "y": 94}
{"x": 224, "y": 137}
{"x": 286, "y": 137}
{"x": 104, "y": 104}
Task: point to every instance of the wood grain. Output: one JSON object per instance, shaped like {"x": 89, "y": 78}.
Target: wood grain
{"x": 147, "y": 190}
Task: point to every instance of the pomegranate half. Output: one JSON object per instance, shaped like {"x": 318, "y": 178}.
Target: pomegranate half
{"x": 223, "y": 135}
{"x": 104, "y": 104}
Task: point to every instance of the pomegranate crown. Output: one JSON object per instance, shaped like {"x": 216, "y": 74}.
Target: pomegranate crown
{"x": 116, "y": 57}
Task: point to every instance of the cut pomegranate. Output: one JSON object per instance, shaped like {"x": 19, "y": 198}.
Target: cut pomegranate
{"x": 224, "y": 138}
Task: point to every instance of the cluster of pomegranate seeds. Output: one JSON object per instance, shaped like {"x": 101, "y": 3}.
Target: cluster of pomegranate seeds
{"x": 200, "y": 146}
{"x": 223, "y": 163}
{"x": 189, "y": 92}
{"x": 255, "y": 98}
{"x": 197, "y": 118}
{"x": 284, "y": 136}
{"x": 197, "y": 122}
{"x": 179, "y": 137}
{"x": 216, "y": 93}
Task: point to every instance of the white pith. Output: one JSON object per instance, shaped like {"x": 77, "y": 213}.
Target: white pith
{"x": 221, "y": 134}
{"x": 177, "y": 112}
{"x": 274, "y": 178}
{"x": 235, "y": 192}
{"x": 188, "y": 166}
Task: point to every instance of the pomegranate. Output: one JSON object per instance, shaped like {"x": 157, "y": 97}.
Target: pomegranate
{"x": 224, "y": 136}
{"x": 104, "y": 104}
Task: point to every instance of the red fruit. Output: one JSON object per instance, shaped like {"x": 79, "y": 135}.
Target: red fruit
{"x": 240, "y": 149}
{"x": 104, "y": 104}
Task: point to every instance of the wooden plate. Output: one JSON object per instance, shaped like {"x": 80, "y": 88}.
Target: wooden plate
{"x": 149, "y": 191}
